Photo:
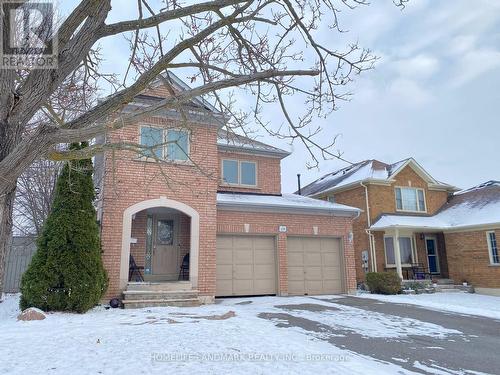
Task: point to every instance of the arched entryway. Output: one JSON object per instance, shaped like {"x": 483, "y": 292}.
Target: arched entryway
{"x": 159, "y": 204}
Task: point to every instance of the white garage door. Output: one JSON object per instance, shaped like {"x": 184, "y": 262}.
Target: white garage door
{"x": 246, "y": 265}
{"x": 314, "y": 265}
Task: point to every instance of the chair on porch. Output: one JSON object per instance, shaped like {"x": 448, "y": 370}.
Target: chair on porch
{"x": 134, "y": 269}
{"x": 184, "y": 269}
{"x": 419, "y": 272}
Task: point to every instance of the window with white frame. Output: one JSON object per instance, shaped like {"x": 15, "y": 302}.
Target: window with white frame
{"x": 238, "y": 172}
{"x": 172, "y": 144}
{"x": 493, "y": 248}
{"x": 405, "y": 250}
{"x": 410, "y": 199}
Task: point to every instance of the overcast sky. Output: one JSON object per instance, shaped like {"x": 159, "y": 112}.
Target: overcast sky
{"x": 434, "y": 94}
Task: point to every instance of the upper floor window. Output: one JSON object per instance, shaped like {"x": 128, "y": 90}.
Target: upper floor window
{"x": 172, "y": 144}
{"x": 493, "y": 248}
{"x": 236, "y": 172}
{"x": 410, "y": 199}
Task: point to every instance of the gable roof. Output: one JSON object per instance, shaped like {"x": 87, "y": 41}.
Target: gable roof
{"x": 477, "y": 206}
{"x": 196, "y": 109}
{"x": 230, "y": 141}
{"x": 368, "y": 171}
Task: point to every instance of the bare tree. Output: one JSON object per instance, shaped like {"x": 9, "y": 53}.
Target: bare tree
{"x": 268, "y": 48}
{"x": 34, "y": 195}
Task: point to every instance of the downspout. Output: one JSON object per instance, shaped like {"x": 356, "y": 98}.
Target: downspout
{"x": 371, "y": 240}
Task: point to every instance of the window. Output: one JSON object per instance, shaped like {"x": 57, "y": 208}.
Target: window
{"x": 151, "y": 137}
{"x": 236, "y": 172}
{"x": 331, "y": 199}
{"x": 390, "y": 258}
{"x": 493, "y": 248}
{"x": 405, "y": 251}
{"x": 173, "y": 144}
{"x": 177, "y": 147}
{"x": 230, "y": 171}
{"x": 248, "y": 175}
{"x": 410, "y": 199}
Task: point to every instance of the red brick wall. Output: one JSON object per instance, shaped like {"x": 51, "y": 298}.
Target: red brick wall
{"x": 468, "y": 259}
{"x": 382, "y": 201}
{"x": 128, "y": 181}
{"x": 268, "y": 223}
{"x": 138, "y": 249}
{"x": 268, "y": 173}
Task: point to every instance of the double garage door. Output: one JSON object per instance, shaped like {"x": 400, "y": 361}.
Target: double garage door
{"x": 247, "y": 265}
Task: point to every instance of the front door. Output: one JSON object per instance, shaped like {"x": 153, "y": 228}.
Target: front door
{"x": 165, "y": 262}
{"x": 432, "y": 254}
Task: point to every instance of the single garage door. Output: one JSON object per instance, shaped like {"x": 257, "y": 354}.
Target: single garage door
{"x": 314, "y": 265}
{"x": 246, "y": 265}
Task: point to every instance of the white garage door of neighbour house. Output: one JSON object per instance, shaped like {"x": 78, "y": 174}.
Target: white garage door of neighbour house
{"x": 314, "y": 265}
{"x": 246, "y": 265}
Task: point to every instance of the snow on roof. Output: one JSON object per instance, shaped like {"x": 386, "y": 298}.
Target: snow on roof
{"x": 359, "y": 172}
{"x": 477, "y": 206}
{"x": 480, "y": 186}
{"x": 284, "y": 201}
{"x": 365, "y": 170}
{"x": 231, "y": 140}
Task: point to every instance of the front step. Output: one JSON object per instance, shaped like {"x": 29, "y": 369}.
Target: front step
{"x": 160, "y": 286}
{"x": 159, "y": 294}
{"x": 151, "y": 294}
{"x": 141, "y": 303}
{"x": 445, "y": 282}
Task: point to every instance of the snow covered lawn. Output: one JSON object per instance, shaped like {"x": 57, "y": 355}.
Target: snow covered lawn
{"x": 463, "y": 303}
{"x": 234, "y": 336}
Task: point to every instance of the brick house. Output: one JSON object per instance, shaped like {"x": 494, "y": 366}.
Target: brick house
{"x": 416, "y": 225}
{"x": 216, "y": 196}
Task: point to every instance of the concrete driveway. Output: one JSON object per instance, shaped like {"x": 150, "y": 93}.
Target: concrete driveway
{"x": 435, "y": 342}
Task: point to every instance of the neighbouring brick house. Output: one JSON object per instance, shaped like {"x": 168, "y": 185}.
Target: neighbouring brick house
{"x": 197, "y": 189}
{"x": 434, "y": 228}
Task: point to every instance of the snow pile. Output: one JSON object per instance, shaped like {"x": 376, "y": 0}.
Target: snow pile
{"x": 374, "y": 324}
{"x": 187, "y": 340}
{"x": 462, "y": 303}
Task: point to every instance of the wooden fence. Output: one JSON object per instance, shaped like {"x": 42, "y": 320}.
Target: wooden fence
{"x": 18, "y": 259}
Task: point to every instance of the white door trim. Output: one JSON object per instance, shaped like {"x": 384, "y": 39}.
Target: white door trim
{"x": 160, "y": 202}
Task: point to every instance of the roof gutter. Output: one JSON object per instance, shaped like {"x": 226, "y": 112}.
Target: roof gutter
{"x": 258, "y": 207}
{"x": 281, "y": 154}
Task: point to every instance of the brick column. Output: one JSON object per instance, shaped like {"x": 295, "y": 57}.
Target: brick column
{"x": 282, "y": 265}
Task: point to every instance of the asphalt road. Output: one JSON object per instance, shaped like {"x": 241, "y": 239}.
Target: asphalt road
{"x": 475, "y": 349}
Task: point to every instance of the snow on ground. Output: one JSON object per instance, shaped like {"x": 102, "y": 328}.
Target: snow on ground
{"x": 463, "y": 303}
{"x": 188, "y": 340}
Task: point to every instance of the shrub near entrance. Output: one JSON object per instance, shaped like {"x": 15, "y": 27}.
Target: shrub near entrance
{"x": 383, "y": 282}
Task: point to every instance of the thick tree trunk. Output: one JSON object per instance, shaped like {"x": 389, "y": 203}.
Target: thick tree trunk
{"x": 6, "y": 208}
{"x": 10, "y": 135}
